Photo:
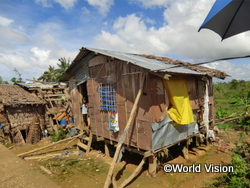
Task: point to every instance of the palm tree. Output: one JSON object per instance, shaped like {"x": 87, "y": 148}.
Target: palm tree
{"x": 63, "y": 66}
{"x": 50, "y": 75}
{"x": 54, "y": 75}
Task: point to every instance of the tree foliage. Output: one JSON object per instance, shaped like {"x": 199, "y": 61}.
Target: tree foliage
{"x": 19, "y": 78}
{"x": 3, "y": 81}
{"x": 54, "y": 75}
{"x": 226, "y": 90}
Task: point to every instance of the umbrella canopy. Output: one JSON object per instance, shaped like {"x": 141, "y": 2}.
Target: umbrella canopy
{"x": 228, "y": 17}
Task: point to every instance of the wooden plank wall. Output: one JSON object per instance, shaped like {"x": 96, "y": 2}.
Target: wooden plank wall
{"x": 151, "y": 105}
{"x": 76, "y": 98}
{"x": 196, "y": 88}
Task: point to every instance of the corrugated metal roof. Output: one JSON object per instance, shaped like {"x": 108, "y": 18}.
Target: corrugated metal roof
{"x": 150, "y": 64}
{"x": 35, "y": 85}
{"x": 38, "y": 85}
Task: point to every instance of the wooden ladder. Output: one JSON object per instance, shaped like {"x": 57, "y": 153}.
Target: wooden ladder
{"x": 85, "y": 143}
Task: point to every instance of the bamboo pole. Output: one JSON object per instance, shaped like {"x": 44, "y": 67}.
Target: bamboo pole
{"x": 44, "y": 147}
{"x": 134, "y": 174}
{"x": 124, "y": 133}
{"x": 45, "y": 170}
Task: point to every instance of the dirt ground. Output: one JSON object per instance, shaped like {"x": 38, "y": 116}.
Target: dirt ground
{"x": 74, "y": 169}
{"x": 15, "y": 172}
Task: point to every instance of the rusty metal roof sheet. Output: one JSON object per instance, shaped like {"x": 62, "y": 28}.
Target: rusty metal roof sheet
{"x": 147, "y": 63}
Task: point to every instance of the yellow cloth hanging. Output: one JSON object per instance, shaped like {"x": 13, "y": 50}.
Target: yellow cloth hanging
{"x": 181, "y": 111}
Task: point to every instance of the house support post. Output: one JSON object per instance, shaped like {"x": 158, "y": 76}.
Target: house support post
{"x": 185, "y": 149}
{"x": 152, "y": 165}
{"x": 106, "y": 144}
{"x": 124, "y": 134}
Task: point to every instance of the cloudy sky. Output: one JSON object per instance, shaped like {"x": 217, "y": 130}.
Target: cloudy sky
{"x": 36, "y": 33}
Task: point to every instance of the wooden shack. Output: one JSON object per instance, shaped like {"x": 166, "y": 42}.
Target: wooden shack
{"x": 55, "y": 95}
{"x": 176, "y": 98}
{"x": 21, "y": 115}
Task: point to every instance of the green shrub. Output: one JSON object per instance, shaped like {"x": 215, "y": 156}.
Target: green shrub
{"x": 58, "y": 135}
{"x": 237, "y": 178}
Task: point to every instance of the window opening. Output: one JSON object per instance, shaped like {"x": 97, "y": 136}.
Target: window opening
{"x": 108, "y": 104}
{"x": 108, "y": 99}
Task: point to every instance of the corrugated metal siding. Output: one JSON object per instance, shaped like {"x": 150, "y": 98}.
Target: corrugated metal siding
{"x": 80, "y": 62}
{"x": 82, "y": 74}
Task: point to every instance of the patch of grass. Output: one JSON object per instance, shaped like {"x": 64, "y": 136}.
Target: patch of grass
{"x": 225, "y": 126}
{"x": 216, "y": 183}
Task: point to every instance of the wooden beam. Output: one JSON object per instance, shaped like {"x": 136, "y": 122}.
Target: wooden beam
{"x": 161, "y": 75}
{"x": 134, "y": 174}
{"x": 45, "y": 170}
{"x": 44, "y": 147}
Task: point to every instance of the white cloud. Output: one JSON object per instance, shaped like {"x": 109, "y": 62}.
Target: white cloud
{"x": 238, "y": 72}
{"x": 103, "y": 6}
{"x": 66, "y": 3}
{"x": 85, "y": 11}
{"x": 178, "y": 35}
{"x": 40, "y": 55}
{"x": 31, "y": 51}
{"x": 112, "y": 40}
{"x": 43, "y": 43}
{"x": 45, "y": 3}
{"x": 10, "y": 34}
{"x": 13, "y": 60}
{"x": 132, "y": 31}
{"x": 150, "y": 21}
{"x": 152, "y": 3}
{"x": 5, "y": 21}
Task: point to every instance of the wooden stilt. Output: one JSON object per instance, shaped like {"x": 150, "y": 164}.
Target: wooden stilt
{"x": 124, "y": 134}
{"x": 152, "y": 165}
{"x": 89, "y": 142}
{"x": 106, "y": 148}
{"x": 207, "y": 141}
{"x": 197, "y": 142}
{"x": 185, "y": 150}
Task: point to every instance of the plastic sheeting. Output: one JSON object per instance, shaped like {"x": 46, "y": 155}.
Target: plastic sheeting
{"x": 206, "y": 109}
{"x": 165, "y": 133}
{"x": 181, "y": 111}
